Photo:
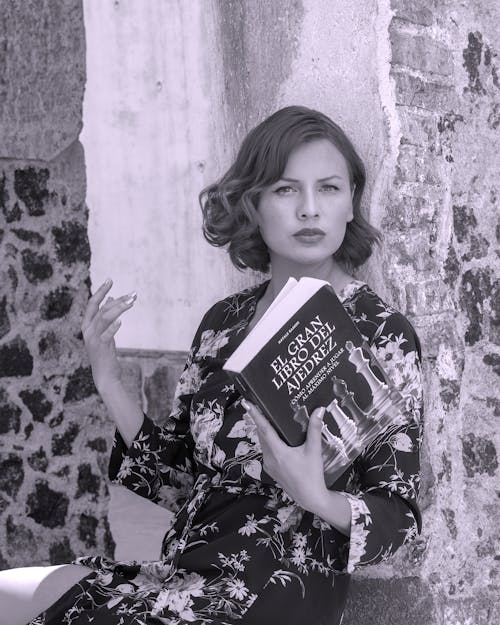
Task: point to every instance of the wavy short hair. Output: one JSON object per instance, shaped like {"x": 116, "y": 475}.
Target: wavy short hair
{"x": 229, "y": 206}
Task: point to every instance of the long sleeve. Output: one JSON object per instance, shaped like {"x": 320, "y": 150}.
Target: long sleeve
{"x": 385, "y": 513}
{"x": 158, "y": 465}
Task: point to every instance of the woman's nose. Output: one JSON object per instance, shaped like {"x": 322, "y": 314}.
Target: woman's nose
{"x": 308, "y": 207}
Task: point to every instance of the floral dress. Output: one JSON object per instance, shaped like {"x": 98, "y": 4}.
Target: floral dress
{"x": 240, "y": 551}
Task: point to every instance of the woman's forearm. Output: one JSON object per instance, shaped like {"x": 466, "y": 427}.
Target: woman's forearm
{"x": 124, "y": 411}
{"x": 334, "y": 508}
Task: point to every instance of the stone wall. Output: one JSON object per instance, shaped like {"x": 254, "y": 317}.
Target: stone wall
{"x": 54, "y": 434}
{"x": 436, "y": 200}
{"x": 440, "y": 262}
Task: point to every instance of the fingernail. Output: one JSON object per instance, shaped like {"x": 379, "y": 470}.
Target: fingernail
{"x": 108, "y": 281}
{"x": 321, "y": 413}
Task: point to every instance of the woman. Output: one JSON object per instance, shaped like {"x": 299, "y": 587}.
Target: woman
{"x": 254, "y": 540}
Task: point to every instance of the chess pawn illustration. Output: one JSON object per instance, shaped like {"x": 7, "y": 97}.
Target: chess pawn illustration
{"x": 347, "y": 427}
{"x": 378, "y": 389}
{"x": 333, "y": 450}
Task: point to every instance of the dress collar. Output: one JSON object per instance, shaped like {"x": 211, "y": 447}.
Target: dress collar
{"x": 256, "y": 292}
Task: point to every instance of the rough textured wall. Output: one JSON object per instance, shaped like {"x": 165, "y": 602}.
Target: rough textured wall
{"x": 53, "y": 448}
{"x": 440, "y": 264}
{"x": 189, "y": 79}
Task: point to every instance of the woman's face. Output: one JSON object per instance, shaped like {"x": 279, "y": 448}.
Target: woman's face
{"x": 314, "y": 194}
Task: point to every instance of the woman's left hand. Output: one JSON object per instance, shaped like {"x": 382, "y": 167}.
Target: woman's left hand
{"x": 297, "y": 470}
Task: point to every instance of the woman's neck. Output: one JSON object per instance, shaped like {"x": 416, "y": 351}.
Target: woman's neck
{"x": 332, "y": 272}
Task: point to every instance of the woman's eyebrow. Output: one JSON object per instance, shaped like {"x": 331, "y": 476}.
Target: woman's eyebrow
{"x": 319, "y": 179}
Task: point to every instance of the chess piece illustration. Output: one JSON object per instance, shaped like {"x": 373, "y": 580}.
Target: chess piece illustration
{"x": 346, "y": 400}
{"x": 348, "y": 430}
{"x": 357, "y": 358}
{"x": 334, "y": 451}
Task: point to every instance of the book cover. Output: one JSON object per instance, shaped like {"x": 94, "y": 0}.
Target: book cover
{"x": 318, "y": 357}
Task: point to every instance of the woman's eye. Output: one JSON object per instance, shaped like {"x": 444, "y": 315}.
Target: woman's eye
{"x": 330, "y": 187}
{"x": 285, "y": 190}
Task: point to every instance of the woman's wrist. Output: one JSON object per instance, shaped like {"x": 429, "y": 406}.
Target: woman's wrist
{"x": 108, "y": 387}
{"x": 123, "y": 409}
{"x": 333, "y": 507}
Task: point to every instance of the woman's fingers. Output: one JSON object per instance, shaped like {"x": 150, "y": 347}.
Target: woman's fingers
{"x": 110, "y": 313}
{"x": 108, "y": 334}
{"x": 315, "y": 428}
{"x": 94, "y": 302}
{"x": 106, "y": 315}
{"x": 255, "y": 413}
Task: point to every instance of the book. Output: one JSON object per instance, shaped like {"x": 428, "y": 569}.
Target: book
{"x": 306, "y": 352}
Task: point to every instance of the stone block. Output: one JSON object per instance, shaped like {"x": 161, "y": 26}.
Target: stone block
{"x": 413, "y": 12}
{"x": 418, "y": 128}
{"x": 38, "y": 460}
{"x": 465, "y": 226}
{"x": 37, "y": 403}
{"x": 46, "y": 63}
{"x": 131, "y": 378}
{"x": 15, "y": 358}
{"x": 415, "y": 164}
{"x": 413, "y": 249}
{"x": 4, "y": 318}
{"x": 415, "y": 207}
{"x": 87, "y": 527}
{"x": 30, "y": 186}
{"x": 449, "y": 517}
{"x": 479, "y": 455}
{"x": 29, "y": 236}
{"x": 430, "y": 96}
{"x": 98, "y": 444}
{"x": 451, "y": 267}
{"x": 472, "y": 56}
{"x": 475, "y": 288}
{"x": 62, "y": 443}
{"x": 71, "y": 243}
{"x": 420, "y": 52}
{"x": 446, "y": 122}
{"x": 88, "y": 483}
{"x": 494, "y": 334}
{"x": 428, "y": 297}
{"x": 10, "y": 414}
{"x": 57, "y": 303}
{"x": 49, "y": 346}
{"x": 159, "y": 389}
{"x": 60, "y": 552}
{"x": 80, "y": 385}
{"x": 482, "y": 609}
{"x": 12, "y": 213}
{"x": 408, "y": 600}
{"x": 47, "y": 506}
{"x": 36, "y": 266}
{"x": 20, "y": 538}
{"x": 11, "y": 474}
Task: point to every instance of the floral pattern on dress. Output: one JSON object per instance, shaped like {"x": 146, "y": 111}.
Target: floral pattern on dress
{"x": 240, "y": 550}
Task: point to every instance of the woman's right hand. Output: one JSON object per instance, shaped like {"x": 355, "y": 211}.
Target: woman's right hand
{"x": 99, "y": 325}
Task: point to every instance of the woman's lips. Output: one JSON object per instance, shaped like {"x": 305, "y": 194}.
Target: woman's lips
{"x": 306, "y": 237}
